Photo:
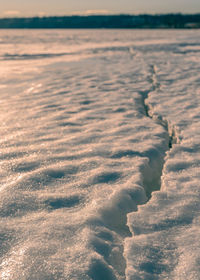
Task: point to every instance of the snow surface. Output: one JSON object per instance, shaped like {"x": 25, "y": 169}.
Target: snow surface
{"x": 100, "y": 155}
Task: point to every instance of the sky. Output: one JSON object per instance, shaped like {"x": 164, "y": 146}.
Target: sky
{"x": 9, "y": 8}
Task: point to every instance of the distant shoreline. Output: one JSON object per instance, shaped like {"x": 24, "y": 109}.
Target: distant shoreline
{"x": 145, "y": 21}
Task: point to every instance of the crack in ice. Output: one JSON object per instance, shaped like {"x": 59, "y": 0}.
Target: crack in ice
{"x": 170, "y": 130}
{"x": 151, "y": 172}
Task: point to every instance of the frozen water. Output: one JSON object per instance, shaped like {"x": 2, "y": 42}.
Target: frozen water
{"x": 99, "y": 155}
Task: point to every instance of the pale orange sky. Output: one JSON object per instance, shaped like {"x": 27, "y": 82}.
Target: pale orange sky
{"x": 65, "y": 7}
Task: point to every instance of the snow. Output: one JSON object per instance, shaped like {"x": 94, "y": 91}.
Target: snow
{"x": 99, "y": 154}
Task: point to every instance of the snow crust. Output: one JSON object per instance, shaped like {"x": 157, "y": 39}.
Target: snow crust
{"x": 99, "y": 155}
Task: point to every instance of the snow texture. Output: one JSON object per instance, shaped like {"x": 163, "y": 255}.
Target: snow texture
{"x": 100, "y": 155}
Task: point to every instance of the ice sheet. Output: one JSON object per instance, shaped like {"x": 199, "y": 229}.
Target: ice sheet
{"x": 95, "y": 124}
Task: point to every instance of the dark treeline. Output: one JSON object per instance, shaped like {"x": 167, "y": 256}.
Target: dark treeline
{"x": 105, "y": 21}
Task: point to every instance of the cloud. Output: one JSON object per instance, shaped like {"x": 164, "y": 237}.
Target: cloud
{"x": 11, "y": 13}
{"x": 42, "y": 14}
{"x": 96, "y": 12}
{"x": 92, "y": 12}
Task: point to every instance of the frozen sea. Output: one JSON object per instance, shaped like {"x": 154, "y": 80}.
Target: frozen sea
{"x": 100, "y": 155}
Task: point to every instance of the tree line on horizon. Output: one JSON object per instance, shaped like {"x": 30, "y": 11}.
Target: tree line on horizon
{"x": 105, "y": 21}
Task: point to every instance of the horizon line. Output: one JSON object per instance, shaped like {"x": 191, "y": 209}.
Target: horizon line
{"x": 102, "y": 15}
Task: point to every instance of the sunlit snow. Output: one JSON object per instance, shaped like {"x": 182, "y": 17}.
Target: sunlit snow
{"x": 100, "y": 155}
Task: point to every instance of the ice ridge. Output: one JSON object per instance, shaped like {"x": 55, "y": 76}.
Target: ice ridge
{"x": 151, "y": 174}
{"x": 125, "y": 201}
{"x": 171, "y": 134}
